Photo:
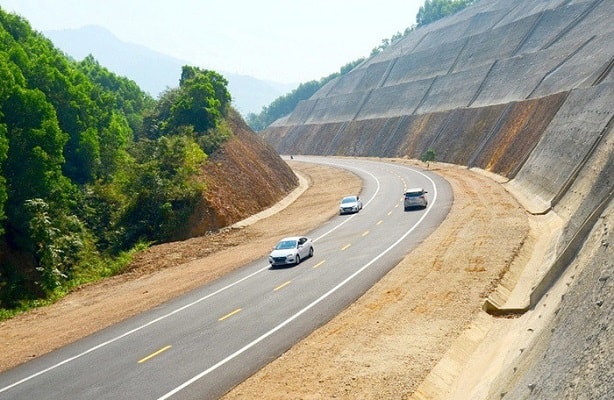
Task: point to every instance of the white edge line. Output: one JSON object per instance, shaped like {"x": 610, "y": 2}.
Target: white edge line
{"x": 130, "y": 332}
{"x": 154, "y": 321}
{"x": 308, "y": 307}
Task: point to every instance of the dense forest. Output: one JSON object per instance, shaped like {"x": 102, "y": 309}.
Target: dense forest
{"x": 431, "y": 11}
{"x": 91, "y": 167}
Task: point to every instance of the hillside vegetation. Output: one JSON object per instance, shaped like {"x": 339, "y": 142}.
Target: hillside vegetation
{"x": 92, "y": 168}
{"x": 523, "y": 90}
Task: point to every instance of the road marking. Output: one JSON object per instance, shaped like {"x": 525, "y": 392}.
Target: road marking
{"x": 347, "y": 246}
{"x": 319, "y": 264}
{"x": 281, "y": 286}
{"x": 379, "y": 222}
{"x": 235, "y": 283}
{"x": 310, "y": 305}
{"x": 230, "y": 314}
{"x": 149, "y": 357}
{"x": 197, "y": 301}
{"x": 389, "y": 212}
{"x": 365, "y": 233}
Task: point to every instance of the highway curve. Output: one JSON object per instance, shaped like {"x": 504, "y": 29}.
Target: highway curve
{"x": 206, "y": 342}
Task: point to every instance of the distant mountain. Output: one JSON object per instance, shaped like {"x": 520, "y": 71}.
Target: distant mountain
{"x": 155, "y": 72}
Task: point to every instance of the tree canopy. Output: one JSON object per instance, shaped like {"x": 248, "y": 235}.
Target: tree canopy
{"x": 90, "y": 165}
{"x": 433, "y": 10}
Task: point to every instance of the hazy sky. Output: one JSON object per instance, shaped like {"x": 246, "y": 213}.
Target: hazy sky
{"x": 289, "y": 41}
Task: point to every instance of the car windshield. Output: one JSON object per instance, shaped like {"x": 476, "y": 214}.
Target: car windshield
{"x": 286, "y": 244}
{"x": 413, "y": 194}
{"x": 348, "y": 200}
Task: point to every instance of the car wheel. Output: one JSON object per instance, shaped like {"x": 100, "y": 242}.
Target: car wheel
{"x": 298, "y": 259}
{"x": 311, "y": 252}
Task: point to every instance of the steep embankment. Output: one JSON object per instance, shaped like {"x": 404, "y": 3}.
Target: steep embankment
{"x": 524, "y": 90}
{"x": 244, "y": 177}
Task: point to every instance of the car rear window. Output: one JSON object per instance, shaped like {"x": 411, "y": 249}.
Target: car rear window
{"x": 413, "y": 194}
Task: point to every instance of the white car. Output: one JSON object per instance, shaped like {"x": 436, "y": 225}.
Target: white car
{"x": 350, "y": 205}
{"x": 291, "y": 250}
{"x": 415, "y": 197}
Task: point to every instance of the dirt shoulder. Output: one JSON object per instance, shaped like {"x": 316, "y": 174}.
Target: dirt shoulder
{"x": 380, "y": 347}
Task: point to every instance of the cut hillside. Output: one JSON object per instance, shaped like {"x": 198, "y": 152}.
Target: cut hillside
{"x": 242, "y": 178}
{"x": 522, "y": 89}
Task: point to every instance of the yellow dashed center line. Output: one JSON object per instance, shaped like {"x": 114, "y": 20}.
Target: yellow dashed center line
{"x": 149, "y": 357}
{"x": 389, "y": 212}
{"x": 347, "y": 246}
{"x": 379, "y": 222}
{"x": 282, "y": 285}
{"x": 238, "y": 310}
{"x": 319, "y": 264}
{"x": 365, "y": 233}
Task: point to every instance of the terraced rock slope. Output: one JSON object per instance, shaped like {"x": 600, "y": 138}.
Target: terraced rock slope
{"x": 523, "y": 89}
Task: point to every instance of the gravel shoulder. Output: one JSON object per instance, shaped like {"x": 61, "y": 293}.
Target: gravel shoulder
{"x": 382, "y": 346}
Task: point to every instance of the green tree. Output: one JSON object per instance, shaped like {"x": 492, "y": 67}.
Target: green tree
{"x": 202, "y": 101}
{"x": 428, "y": 156}
{"x": 58, "y": 243}
{"x": 433, "y": 10}
{"x": 164, "y": 187}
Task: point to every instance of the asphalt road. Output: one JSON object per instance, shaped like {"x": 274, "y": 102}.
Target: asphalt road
{"x": 202, "y": 344}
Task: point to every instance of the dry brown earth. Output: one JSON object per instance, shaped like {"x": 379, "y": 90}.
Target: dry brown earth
{"x": 380, "y": 347}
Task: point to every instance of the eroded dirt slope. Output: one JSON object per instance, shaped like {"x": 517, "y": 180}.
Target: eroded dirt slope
{"x": 244, "y": 177}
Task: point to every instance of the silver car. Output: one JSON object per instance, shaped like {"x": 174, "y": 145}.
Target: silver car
{"x": 415, "y": 197}
{"x": 350, "y": 205}
{"x": 291, "y": 250}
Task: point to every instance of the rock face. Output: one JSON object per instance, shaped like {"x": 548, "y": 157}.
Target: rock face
{"x": 523, "y": 89}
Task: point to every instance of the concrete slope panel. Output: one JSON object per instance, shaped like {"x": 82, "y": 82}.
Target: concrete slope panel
{"x": 375, "y": 75}
{"x": 458, "y": 31}
{"x": 347, "y": 83}
{"x": 576, "y": 71}
{"x": 510, "y": 144}
{"x": 567, "y": 141}
{"x": 454, "y": 90}
{"x": 417, "y": 134}
{"x": 549, "y": 25}
{"x": 401, "y": 47}
{"x": 424, "y": 64}
{"x": 595, "y": 20}
{"x": 495, "y": 44}
{"x": 336, "y": 108}
{"x": 589, "y": 190}
{"x": 464, "y": 133}
{"x": 363, "y": 138}
{"x": 302, "y": 111}
{"x": 285, "y": 140}
{"x": 514, "y": 79}
{"x": 324, "y": 90}
{"x": 522, "y": 8}
{"x": 307, "y": 139}
{"x": 393, "y": 101}
{"x": 392, "y": 135}
{"x": 330, "y": 139}
{"x": 478, "y": 18}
